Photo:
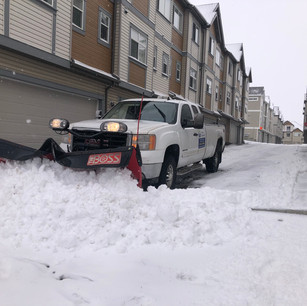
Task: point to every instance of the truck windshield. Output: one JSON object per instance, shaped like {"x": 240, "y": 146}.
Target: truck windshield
{"x": 151, "y": 111}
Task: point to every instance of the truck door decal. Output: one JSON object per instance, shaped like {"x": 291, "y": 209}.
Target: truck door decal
{"x": 201, "y": 142}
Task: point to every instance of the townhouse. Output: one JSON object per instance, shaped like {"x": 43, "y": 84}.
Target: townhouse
{"x": 37, "y": 79}
{"x": 75, "y": 59}
{"x": 264, "y": 121}
{"x": 291, "y": 134}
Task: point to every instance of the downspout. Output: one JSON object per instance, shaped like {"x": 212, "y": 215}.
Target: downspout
{"x": 202, "y": 67}
{"x": 106, "y": 98}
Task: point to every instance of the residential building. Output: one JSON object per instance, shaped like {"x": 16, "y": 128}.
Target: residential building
{"x": 264, "y": 121}
{"x": 37, "y": 80}
{"x": 291, "y": 134}
{"x": 79, "y": 57}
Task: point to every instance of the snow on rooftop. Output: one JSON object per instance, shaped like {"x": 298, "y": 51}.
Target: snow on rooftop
{"x": 109, "y": 75}
{"x": 236, "y": 50}
{"x": 208, "y": 11}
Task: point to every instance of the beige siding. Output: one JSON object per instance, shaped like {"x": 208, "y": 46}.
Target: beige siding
{"x": 17, "y": 63}
{"x": 1, "y": 17}
{"x": 160, "y": 82}
{"x": 163, "y": 27}
{"x": 31, "y": 25}
{"x": 63, "y": 29}
{"x": 152, "y": 10}
{"x": 126, "y": 21}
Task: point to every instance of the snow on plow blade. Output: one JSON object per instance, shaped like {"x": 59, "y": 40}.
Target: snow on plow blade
{"x": 121, "y": 157}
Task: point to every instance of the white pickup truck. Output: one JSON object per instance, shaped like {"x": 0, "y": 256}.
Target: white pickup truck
{"x": 172, "y": 136}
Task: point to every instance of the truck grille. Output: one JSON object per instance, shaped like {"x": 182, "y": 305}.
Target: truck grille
{"x": 86, "y": 142}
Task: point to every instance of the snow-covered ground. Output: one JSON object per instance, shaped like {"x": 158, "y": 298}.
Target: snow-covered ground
{"x": 78, "y": 238}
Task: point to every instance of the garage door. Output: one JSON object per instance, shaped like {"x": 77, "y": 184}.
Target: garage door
{"x": 25, "y": 111}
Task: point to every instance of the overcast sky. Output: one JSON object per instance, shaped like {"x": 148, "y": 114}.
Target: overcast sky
{"x": 274, "y": 37}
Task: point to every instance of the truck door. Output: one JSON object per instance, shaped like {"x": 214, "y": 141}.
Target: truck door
{"x": 189, "y": 139}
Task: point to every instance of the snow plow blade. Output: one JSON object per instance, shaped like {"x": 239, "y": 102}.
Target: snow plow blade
{"x": 122, "y": 157}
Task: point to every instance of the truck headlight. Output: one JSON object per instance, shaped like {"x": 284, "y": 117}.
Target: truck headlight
{"x": 59, "y": 124}
{"x": 113, "y": 126}
{"x": 146, "y": 142}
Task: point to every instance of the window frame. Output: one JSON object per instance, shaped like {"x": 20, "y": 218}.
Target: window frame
{"x": 195, "y": 33}
{"x": 228, "y": 98}
{"x": 217, "y": 89}
{"x": 76, "y": 27}
{"x": 155, "y": 58}
{"x": 48, "y": 2}
{"x": 193, "y": 79}
{"x": 209, "y": 86}
{"x": 139, "y": 33}
{"x": 230, "y": 67}
{"x": 165, "y": 64}
{"x": 178, "y": 64}
{"x": 211, "y": 46}
{"x": 180, "y": 14}
{"x": 102, "y": 41}
{"x": 162, "y": 8}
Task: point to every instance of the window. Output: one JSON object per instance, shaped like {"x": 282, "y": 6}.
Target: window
{"x": 49, "y": 2}
{"x": 177, "y": 19}
{"x": 104, "y": 26}
{"x": 218, "y": 57}
{"x": 237, "y": 103}
{"x": 238, "y": 74}
{"x": 186, "y": 114}
{"x": 165, "y": 8}
{"x": 211, "y": 46}
{"x": 78, "y": 13}
{"x": 195, "y": 33}
{"x": 228, "y": 97}
{"x": 195, "y": 110}
{"x": 209, "y": 86}
{"x": 138, "y": 46}
{"x": 216, "y": 93}
{"x": 165, "y": 64}
{"x": 178, "y": 71}
{"x": 155, "y": 58}
{"x": 288, "y": 128}
{"x": 221, "y": 62}
{"x": 230, "y": 67}
{"x": 193, "y": 78}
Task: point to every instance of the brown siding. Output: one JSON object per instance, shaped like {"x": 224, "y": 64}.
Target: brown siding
{"x": 174, "y": 85}
{"x": 142, "y": 6}
{"x": 221, "y": 97}
{"x": 208, "y": 101}
{"x": 86, "y": 48}
{"x": 210, "y": 61}
{"x": 177, "y": 38}
{"x": 137, "y": 75}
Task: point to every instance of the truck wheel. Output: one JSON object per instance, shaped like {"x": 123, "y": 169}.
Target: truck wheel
{"x": 168, "y": 172}
{"x": 212, "y": 163}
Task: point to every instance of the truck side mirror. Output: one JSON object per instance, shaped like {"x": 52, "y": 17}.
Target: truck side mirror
{"x": 199, "y": 121}
{"x": 186, "y": 123}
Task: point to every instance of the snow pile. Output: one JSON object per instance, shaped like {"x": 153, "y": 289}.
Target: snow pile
{"x": 45, "y": 206}
{"x": 86, "y": 238}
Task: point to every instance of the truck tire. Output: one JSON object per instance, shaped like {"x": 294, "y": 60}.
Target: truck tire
{"x": 212, "y": 163}
{"x": 168, "y": 173}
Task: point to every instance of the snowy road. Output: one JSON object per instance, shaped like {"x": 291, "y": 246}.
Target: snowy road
{"x": 71, "y": 238}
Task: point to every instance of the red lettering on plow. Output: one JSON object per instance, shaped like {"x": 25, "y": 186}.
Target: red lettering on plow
{"x": 104, "y": 159}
